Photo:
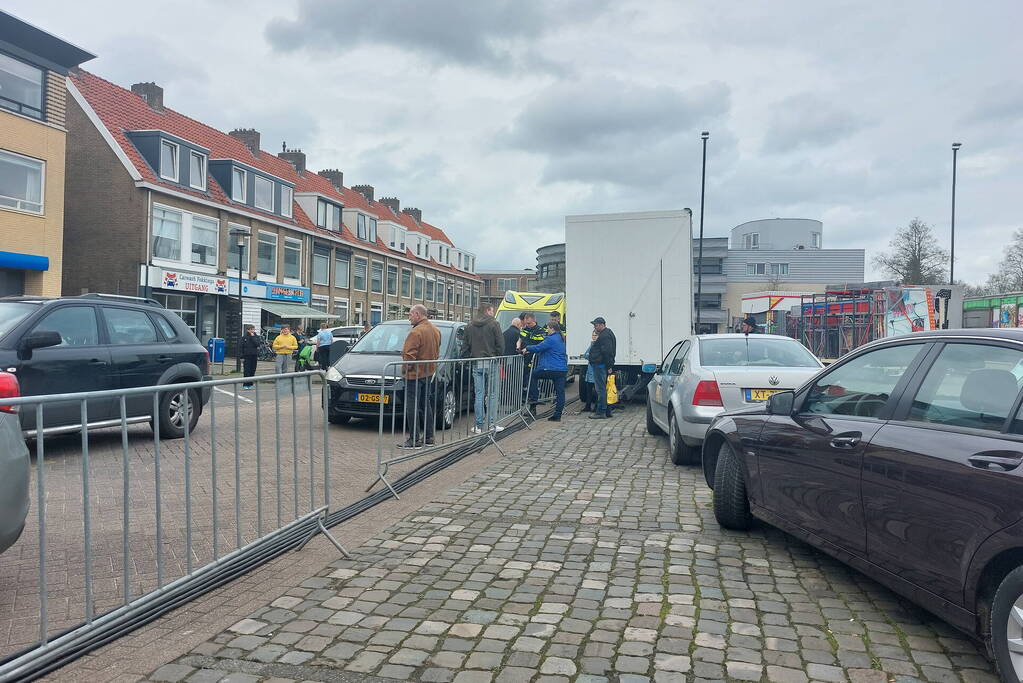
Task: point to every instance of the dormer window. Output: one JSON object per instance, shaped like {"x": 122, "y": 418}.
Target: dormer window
{"x": 372, "y": 230}
{"x": 287, "y": 199}
{"x": 751, "y": 240}
{"x": 169, "y": 160}
{"x": 238, "y": 181}
{"x": 328, "y": 215}
{"x": 197, "y": 170}
{"x": 360, "y": 227}
{"x": 264, "y": 194}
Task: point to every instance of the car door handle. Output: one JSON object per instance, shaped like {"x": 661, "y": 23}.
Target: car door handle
{"x": 97, "y": 361}
{"x": 845, "y": 442}
{"x": 989, "y": 461}
{"x": 164, "y": 359}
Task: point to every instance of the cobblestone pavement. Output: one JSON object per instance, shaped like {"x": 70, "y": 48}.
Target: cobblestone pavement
{"x": 586, "y": 558}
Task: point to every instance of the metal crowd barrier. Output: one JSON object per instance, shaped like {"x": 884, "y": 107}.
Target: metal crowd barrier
{"x": 131, "y": 518}
{"x": 438, "y": 411}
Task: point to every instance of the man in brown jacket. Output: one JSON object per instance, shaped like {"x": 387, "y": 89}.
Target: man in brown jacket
{"x": 421, "y": 344}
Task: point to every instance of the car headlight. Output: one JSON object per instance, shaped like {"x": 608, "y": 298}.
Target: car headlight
{"x": 333, "y": 375}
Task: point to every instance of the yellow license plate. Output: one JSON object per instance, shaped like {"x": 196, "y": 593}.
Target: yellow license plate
{"x": 373, "y": 398}
{"x": 760, "y": 394}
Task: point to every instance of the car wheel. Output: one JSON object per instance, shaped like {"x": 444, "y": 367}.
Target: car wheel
{"x": 1006, "y": 627}
{"x": 172, "y": 413}
{"x": 336, "y": 419}
{"x": 446, "y": 413}
{"x": 678, "y": 451}
{"x": 651, "y": 426}
{"x": 731, "y": 506}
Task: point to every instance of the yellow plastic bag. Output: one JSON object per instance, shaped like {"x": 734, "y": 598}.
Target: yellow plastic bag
{"x": 612, "y": 391}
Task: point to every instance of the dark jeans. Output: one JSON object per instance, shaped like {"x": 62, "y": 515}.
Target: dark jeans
{"x": 323, "y": 357}
{"x": 249, "y": 366}
{"x": 558, "y": 377}
{"x": 600, "y": 388}
{"x": 419, "y": 396}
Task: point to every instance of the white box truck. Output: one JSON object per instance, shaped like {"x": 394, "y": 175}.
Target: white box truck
{"x": 634, "y": 270}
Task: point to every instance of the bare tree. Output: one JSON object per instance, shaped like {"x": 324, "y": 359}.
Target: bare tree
{"x": 915, "y": 257}
{"x": 1009, "y": 276}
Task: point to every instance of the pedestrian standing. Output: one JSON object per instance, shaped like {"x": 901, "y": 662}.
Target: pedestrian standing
{"x": 586, "y": 390}
{"x": 602, "y": 360}
{"x": 284, "y": 345}
{"x": 421, "y": 344}
{"x": 550, "y": 363}
{"x": 748, "y": 325}
{"x": 483, "y": 339}
{"x": 365, "y": 329}
{"x": 323, "y": 340}
{"x": 249, "y": 350}
{"x": 530, "y": 334}
{"x": 511, "y": 337}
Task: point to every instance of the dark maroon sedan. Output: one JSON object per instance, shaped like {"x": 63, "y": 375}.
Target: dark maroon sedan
{"x": 902, "y": 460}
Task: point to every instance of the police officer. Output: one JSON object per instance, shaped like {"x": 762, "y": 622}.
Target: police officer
{"x": 530, "y": 334}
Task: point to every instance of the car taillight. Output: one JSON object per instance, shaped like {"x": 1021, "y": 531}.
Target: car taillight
{"x": 707, "y": 394}
{"x": 9, "y": 389}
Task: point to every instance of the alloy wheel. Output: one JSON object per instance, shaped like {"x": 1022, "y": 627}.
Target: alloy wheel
{"x": 176, "y": 410}
{"x": 1014, "y": 636}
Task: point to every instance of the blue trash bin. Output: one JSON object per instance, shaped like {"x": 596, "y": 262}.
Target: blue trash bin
{"x": 215, "y": 346}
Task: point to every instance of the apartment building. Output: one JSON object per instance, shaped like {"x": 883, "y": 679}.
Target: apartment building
{"x": 497, "y": 282}
{"x": 165, "y": 206}
{"x": 33, "y": 67}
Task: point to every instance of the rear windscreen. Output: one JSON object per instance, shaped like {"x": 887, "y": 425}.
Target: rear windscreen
{"x": 755, "y": 351}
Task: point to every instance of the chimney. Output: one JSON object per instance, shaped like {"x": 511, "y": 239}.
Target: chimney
{"x": 295, "y": 157}
{"x": 335, "y": 177}
{"x": 391, "y": 203}
{"x": 365, "y": 190}
{"x": 151, "y": 93}
{"x": 248, "y": 137}
{"x": 416, "y": 214}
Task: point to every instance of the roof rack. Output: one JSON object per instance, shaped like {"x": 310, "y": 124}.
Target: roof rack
{"x": 121, "y": 297}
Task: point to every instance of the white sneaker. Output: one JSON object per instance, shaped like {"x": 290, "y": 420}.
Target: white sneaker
{"x": 475, "y": 430}
{"x": 498, "y": 428}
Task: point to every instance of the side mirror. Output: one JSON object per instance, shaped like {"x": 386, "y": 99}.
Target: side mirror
{"x": 651, "y": 368}
{"x": 41, "y": 339}
{"x": 781, "y": 403}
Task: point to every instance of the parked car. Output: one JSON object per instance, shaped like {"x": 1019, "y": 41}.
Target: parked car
{"x": 903, "y": 460}
{"x": 354, "y": 379}
{"x": 14, "y": 467}
{"x": 705, "y": 375}
{"x": 97, "y": 342}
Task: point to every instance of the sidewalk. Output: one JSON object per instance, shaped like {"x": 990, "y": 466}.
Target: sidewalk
{"x": 585, "y": 556}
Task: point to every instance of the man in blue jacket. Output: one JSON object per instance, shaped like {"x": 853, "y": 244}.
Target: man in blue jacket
{"x": 550, "y": 362}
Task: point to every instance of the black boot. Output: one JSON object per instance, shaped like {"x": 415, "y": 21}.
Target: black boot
{"x": 586, "y": 409}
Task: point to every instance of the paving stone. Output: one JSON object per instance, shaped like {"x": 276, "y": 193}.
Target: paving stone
{"x": 559, "y": 666}
{"x": 402, "y": 673}
{"x": 744, "y": 671}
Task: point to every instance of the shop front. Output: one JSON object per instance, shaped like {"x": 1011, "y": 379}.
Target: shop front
{"x": 209, "y": 304}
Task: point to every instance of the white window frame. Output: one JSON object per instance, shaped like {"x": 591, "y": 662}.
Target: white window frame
{"x": 312, "y": 276}
{"x": 260, "y": 274}
{"x": 371, "y": 229}
{"x": 255, "y": 193}
{"x": 779, "y": 268}
{"x": 342, "y": 304}
{"x": 243, "y": 186}
{"x": 397, "y": 279}
{"x": 192, "y": 154}
{"x": 284, "y": 274}
{"x": 287, "y": 205}
{"x": 365, "y": 276}
{"x": 184, "y": 259}
{"x": 751, "y": 240}
{"x": 376, "y": 307}
{"x": 340, "y": 255}
{"x": 419, "y": 275}
{"x": 383, "y": 276}
{"x": 401, "y": 283}
{"x": 361, "y": 227}
{"x": 359, "y": 312}
{"x": 42, "y": 186}
{"x": 321, "y": 300}
{"x": 756, "y": 269}
{"x": 191, "y": 240}
{"x": 177, "y": 160}
{"x": 815, "y": 240}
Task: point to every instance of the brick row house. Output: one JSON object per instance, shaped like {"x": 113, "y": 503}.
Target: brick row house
{"x": 161, "y": 205}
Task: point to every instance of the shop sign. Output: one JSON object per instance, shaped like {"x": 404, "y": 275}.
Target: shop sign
{"x": 191, "y": 282}
{"x": 287, "y": 293}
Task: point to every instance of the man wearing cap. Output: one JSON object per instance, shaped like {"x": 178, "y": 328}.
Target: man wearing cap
{"x": 748, "y": 325}
{"x": 602, "y": 359}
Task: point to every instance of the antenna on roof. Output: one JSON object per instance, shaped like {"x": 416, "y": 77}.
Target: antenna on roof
{"x": 284, "y": 146}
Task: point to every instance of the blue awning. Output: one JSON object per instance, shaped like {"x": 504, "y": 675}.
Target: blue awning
{"x": 12, "y": 259}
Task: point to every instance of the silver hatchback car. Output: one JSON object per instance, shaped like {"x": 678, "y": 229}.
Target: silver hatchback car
{"x": 708, "y": 374}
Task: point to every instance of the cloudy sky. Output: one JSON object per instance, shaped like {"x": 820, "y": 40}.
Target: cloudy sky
{"x": 499, "y": 117}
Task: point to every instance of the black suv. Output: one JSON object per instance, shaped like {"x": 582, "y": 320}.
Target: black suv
{"x": 96, "y": 342}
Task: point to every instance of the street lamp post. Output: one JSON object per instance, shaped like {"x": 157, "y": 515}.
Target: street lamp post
{"x": 240, "y": 234}
{"x": 699, "y": 268}
{"x": 952, "y": 255}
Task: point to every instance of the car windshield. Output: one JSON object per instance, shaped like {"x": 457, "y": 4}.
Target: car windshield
{"x": 12, "y": 313}
{"x": 390, "y": 338}
{"x": 505, "y": 317}
{"x": 753, "y": 351}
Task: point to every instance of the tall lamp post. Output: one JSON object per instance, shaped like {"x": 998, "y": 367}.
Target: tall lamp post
{"x": 952, "y": 255}
{"x": 699, "y": 268}
{"x": 240, "y": 234}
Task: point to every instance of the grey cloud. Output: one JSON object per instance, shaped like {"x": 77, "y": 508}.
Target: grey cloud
{"x": 809, "y": 120}
{"x": 494, "y": 35}
{"x": 617, "y": 132}
{"x": 998, "y": 104}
